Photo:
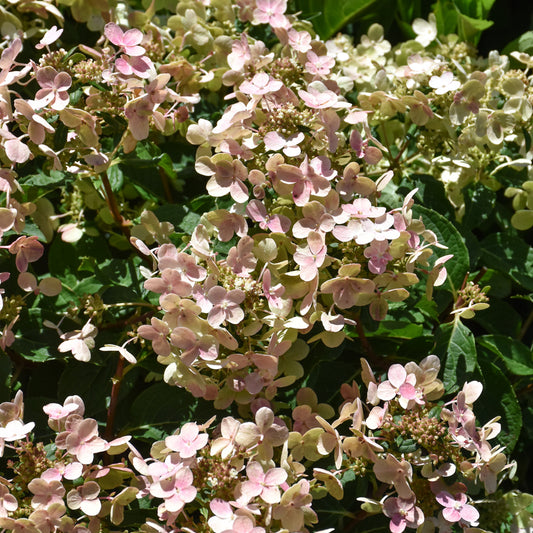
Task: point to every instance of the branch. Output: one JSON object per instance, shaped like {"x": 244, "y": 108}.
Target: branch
{"x": 525, "y": 326}
{"x": 373, "y": 358}
{"x": 111, "y": 200}
{"x": 115, "y": 389}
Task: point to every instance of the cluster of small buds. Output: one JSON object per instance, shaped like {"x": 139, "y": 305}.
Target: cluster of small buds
{"x": 470, "y": 299}
{"x": 93, "y": 307}
{"x": 31, "y": 462}
{"x": 287, "y": 69}
{"x": 287, "y": 120}
{"x": 89, "y": 70}
{"x": 426, "y": 432}
{"x": 11, "y": 307}
{"x": 54, "y": 59}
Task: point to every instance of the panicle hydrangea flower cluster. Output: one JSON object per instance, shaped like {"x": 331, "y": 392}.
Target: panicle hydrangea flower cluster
{"x": 270, "y": 287}
{"x": 63, "y": 490}
{"x": 423, "y": 455}
{"x": 468, "y": 114}
{"x": 291, "y": 134}
{"x": 311, "y": 245}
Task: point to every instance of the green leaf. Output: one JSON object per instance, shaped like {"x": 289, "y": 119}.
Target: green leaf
{"x": 428, "y": 308}
{"x": 511, "y": 177}
{"x": 416, "y": 349}
{"x": 466, "y": 6}
{"x": 408, "y": 10}
{"x": 75, "y": 96}
{"x": 447, "y": 235}
{"x": 500, "y": 285}
{"x": 329, "y": 16}
{"x": 118, "y": 272}
{"x": 189, "y": 222}
{"x": 147, "y": 150}
{"x": 116, "y": 177}
{"x": 464, "y": 17}
{"x": 119, "y": 294}
{"x": 430, "y": 193}
{"x": 474, "y": 248}
{"x": 35, "y": 351}
{"x": 322, "y": 364}
{"x": 165, "y": 163}
{"x": 517, "y": 357}
{"x": 42, "y": 178}
{"x": 73, "y": 58}
{"x": 91, "y": 382}
{"x": 349, "y": 475}
{"x": 160, "y": 403}
{"x": 479, "y": 205}
{"x": 406, "y": 445}
{"x": 500, "y": 318}
{"x": 65, "y": 257}
{"x": 511, "y": 255}
{"x": 34, "y": 341}
{"x": 446, "y": 15}
{"x": 32, "y": 229}
{"x": 5, "y": 378}
{"x": 90, "y": 285}
{"x": 525, "y": 42}
{"x": 398, "y": 329}
{"x": 173, "y": 213}
{"x": 73, "y": 285}
{"x": 456, "y": 345}
{"x": 60, "y": 136}
{"x": 144, "y": 176}
{"x": 486, "y": 5}
{"x": 470, "y": 29}
{"x": 202, "y": 204}
{"x": 499, "y": 399}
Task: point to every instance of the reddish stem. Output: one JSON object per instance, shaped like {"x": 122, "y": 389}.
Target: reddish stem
{"x": 358, "y": 517}
{"x": 127, "y": 321}
{"x": 115, "y": 389}
{"x": 371, "y": 355}
{"x": 113, "y": 206}
{"x": 166, "y": 186}
{"x": 121, "y": 222}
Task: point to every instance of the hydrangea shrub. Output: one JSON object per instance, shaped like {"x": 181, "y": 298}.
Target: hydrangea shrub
{"x": 212, "y": 221}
